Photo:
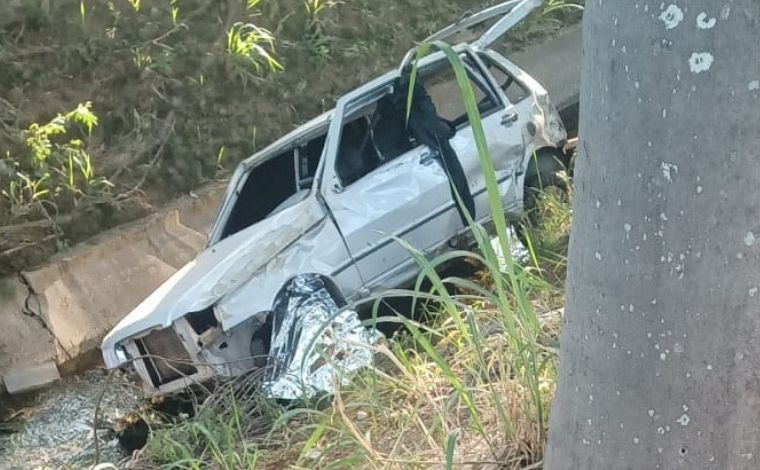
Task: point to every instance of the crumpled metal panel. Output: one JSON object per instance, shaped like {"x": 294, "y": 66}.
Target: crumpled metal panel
{"x": 218, "y": 271}
{"x": 314, "y": 344}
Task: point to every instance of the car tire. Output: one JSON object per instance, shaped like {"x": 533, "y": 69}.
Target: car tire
{"x": 547, "y": 172}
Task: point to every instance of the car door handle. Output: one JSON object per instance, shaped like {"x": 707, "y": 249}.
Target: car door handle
{"x": 509, "y": 118}
{"x": 427, "y": 157}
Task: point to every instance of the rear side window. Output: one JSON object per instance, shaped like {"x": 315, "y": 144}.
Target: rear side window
{"x": 441, "y": 85}
{"x": 514, "y": 90}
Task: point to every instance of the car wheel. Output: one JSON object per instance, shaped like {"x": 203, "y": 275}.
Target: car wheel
{"x": 548, "y": 179}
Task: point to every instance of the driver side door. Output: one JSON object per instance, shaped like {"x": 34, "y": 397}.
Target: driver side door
{"x": 395, "y": 196}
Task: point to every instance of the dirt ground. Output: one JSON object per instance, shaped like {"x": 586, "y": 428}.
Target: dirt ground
{"x": 54, "y": 428}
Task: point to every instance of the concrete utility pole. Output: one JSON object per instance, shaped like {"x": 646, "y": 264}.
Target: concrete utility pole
{"x": 660, "y": 356}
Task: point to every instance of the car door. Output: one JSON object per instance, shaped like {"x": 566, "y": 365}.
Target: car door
{"x": 498, "y": 118}
{"x": 404, "y": 197}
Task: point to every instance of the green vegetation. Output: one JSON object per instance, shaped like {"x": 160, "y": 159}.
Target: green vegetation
{"x": 470, "y": 385}
{"x": 53, "y": 162}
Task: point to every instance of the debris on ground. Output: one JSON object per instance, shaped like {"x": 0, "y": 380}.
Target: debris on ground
{"x": 55, "y": 429}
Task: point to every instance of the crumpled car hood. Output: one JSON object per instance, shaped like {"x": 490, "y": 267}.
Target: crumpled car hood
{"x": 217, "y": 271}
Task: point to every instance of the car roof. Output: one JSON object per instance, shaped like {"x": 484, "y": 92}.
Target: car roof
{"x": 294, "y": 138}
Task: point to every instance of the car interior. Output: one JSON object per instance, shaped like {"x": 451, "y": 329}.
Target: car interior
{"x": 377, "y": 134}
{"x": 373, "y": 136}
{"x": 276, "y": 184}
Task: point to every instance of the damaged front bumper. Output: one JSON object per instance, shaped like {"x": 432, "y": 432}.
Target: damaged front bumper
{"x": 307, "y": 345}
{"x": 193, "y": 350}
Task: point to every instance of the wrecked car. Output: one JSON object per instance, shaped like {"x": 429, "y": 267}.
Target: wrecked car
{"x": 326, "y": 204}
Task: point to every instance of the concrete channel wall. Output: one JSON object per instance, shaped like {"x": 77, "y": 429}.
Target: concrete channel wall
{"x": 57, "y": 314}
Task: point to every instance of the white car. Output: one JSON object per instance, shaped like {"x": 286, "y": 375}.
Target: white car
{"x": 327, "y": 202}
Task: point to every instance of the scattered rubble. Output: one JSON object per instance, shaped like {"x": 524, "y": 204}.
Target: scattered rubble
{"x": 55, "y": 429}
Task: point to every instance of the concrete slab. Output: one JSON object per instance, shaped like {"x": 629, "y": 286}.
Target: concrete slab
{"x": 61, "y": 311}
{"x": 83, "y": 295}
{"x": 24, "y": 339}
{"x": 30, "y": 378}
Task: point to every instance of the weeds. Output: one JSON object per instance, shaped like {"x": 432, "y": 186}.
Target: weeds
{"x": 55, "y": 162}
{"x": 136, "y": 4}
{"x": 213, "y": 438}
{"x": 174, "y": 5}
{"x": 252, "y": 47}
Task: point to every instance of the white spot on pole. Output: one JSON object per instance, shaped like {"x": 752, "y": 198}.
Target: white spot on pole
{"x": 704, "y": 22}
{"x": 684, "y": 420}
{"x": 667, "y": 171}
{"x": 753, "y": 85}
{"x": 753, "y": 292}
{"x": 627, "y": 227}
{"x": 749, "y": 239}
{"x": 725, "y": 12}
{"x": 598, "y": 256}
{"x": 700, "y": 62}
{"x": 672, "y": 16}
{"x": 650, "y": 413}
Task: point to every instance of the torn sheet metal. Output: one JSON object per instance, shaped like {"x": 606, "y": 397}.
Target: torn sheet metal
{"x": 314, "y": 344}
{"x": 519, "y": 252}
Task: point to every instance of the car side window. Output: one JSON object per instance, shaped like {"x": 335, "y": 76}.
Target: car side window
{"x": 441, "y": 85}
{"x": 375, "y": 137}
{"x": 513, "y": 89}
{"x": 378, "y": 134}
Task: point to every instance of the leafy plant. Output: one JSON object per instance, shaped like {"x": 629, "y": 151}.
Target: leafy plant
{"x": 141, "y": 60}
{"x": 82, "y": 11}
{"x": 135, "y": 4}
{"x": 54, "y": 164}
{"x": 252, "y": 46}
{"x": 174, "y": 5}
{"x": 316, "y": 42}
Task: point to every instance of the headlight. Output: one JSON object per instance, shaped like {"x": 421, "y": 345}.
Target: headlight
{"x": 121, "y": 354}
